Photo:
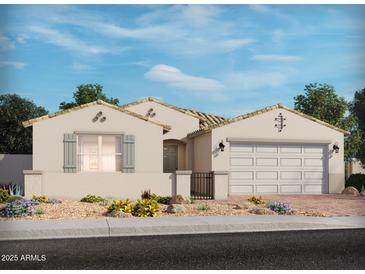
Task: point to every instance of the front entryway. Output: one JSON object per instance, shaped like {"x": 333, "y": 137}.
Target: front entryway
{"x": 259, "y": 168}
{"x": 169, "y": 158}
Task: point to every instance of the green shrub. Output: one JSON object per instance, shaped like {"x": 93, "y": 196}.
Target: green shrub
{"x": 256, "y": 200}
{"x": 202, "y": 207}
{"x": 4, "y": 195}
{"x": 120, "y": 205}
{"x": 145, "y": 208}
{"x": 92, "y": 199}
{"x": 39, "y": 211}
{"x": 18, "y": 208}
{"x": 41, "y": 199}
{"x": 164, "y": 200}
{"x": 14, "y": 198}
{"x": 357, "y": 181}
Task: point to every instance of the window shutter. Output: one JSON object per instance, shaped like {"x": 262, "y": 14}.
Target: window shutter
{"x": 69, "y": 153}
{"x": 128, "y": 153}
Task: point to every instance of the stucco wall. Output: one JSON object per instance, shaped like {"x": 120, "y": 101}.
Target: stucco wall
{"x": 48, "y": 137}
{"x": 299, "y": 128}
{"x": 202, "y": 148}
{"x": 12, "y": 166}
{"x": 113, "y": 185}
{"x": 181, "y": 123}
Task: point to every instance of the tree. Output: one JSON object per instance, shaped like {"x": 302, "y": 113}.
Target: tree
{"x": 14, "y": 138}
{"x": 88, "y": 93}
{"x": 322, "y": 102}
{"x": 358, "y": 109}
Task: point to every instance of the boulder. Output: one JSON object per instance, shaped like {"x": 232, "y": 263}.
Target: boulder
{"x": 362, "y": 193}
{"x": 178, "y": 199}
{"x": 175, "y": 208}
{"x": 262, "y": 211}
{"x": 350, "y": 190}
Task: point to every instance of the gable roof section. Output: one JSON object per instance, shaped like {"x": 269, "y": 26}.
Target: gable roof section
{"x": 261, "y": 111}
{"x": 98, "y": 102}
{"x": 205, "y": 119}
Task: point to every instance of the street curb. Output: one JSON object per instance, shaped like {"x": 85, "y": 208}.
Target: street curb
{"x": 120, "y": 227}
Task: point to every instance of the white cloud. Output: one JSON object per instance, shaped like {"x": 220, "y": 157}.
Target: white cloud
{"x": 5, "y": 43}
{"x": 21, "y": 38}
{"x": 234, "y": 44}
{"x": 265, "y": 9}
{"x": 277, "y": 58}
{"x": 199, "y": 14}
{"x": 175, "y": 78}
{"x": 80, "y": 67}
{"x": 69, "y": 42}
{"x": 17, "y": 65}
{"x": 251, "y": 80}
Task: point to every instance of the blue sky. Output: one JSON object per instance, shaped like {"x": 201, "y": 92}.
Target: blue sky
{"x": 224, "y": 59}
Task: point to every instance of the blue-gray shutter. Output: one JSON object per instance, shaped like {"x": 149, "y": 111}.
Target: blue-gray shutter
{"x": 128, "y": 153}
{"x": 69, "y": 153}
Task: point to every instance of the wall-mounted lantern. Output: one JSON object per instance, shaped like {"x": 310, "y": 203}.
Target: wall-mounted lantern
{"x": 221, "y": 146}
{"x": 336, "y": 148}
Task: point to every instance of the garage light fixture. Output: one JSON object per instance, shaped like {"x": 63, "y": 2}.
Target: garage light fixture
{"x": 221, "y": 146}
{"x": 336, "y": 148}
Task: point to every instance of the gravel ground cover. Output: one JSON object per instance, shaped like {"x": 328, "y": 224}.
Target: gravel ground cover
{"x": 307, "y": 205}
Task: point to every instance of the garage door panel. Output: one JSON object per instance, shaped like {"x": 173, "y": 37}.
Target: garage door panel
{"x": 291, "y": 188}
{"x": 313, "y": 162}
{"x": 277, "y": 168}
{"x": 313, "y": 175}
{"x": 242, "y": 161}
{"x": 313, "y": 149}
{"x": 266, "y": 175}
{"x": 290, "y": 149}
{"x": 267, "y": 188}
{"x": 242, "y": 189}
{"x": 266, "y": 148}
{"x": 239, "y": 148}
{"x": 267, "y": 161}
{"x": 291, "y": 162}
{"x": 291, "y": 175}
{"x": 242, "y": 175}
{"x": 313, "y": 188}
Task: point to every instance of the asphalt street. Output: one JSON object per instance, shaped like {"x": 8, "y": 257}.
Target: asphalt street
{"x": 321, "y": 249}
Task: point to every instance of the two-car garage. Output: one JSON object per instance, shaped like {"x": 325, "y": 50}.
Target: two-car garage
{"x": 277, "y": 168}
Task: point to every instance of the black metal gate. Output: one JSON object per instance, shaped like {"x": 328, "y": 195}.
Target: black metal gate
{"x": 202, "y": 185}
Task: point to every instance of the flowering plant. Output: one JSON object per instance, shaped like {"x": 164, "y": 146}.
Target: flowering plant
{"x": 17, "y": 208}
{"x": 278, "y": 207}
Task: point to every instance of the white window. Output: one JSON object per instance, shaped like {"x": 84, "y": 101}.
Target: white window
{"x": 99, "y": 153}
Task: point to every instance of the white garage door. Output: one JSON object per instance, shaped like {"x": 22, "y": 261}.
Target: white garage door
{"x": 277, "y": 168}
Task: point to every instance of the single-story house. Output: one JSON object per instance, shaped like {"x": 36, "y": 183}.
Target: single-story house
{"x": 119, "y": 151}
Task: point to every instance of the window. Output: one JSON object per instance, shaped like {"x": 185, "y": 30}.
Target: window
{"x": 99, "y": 153}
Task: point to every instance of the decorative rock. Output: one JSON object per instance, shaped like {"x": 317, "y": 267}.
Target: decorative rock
{"x": 237, "y": 207}
{"x": 350, "y": 190}
{"x": 262, "y": 211}
{"x": 178, "y": 199}
{"x": 362, "y": 193}
{"x": 118, "y": 214}
{"x": 175, "y": 208}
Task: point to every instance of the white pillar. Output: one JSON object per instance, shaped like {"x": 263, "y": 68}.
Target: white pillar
{"x": 182, "y": 181}
{"x": 221, "y": 185}
{"x": 32, "y": 183}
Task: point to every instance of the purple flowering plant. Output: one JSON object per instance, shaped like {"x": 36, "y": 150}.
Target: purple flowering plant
{"x": 278, "y": 207}
{"x": 21, "y": 207}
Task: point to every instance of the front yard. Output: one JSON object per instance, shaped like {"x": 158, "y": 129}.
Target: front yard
{"x": 307, "y": 205}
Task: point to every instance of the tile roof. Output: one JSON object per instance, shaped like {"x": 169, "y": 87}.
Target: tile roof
{"x": 260, "y": 111}
{"x": 98, "y": 102}
{"x": 205, "y": 119}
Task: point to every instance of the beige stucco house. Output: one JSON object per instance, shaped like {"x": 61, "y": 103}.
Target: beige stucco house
{"x": 113, "y": 151}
